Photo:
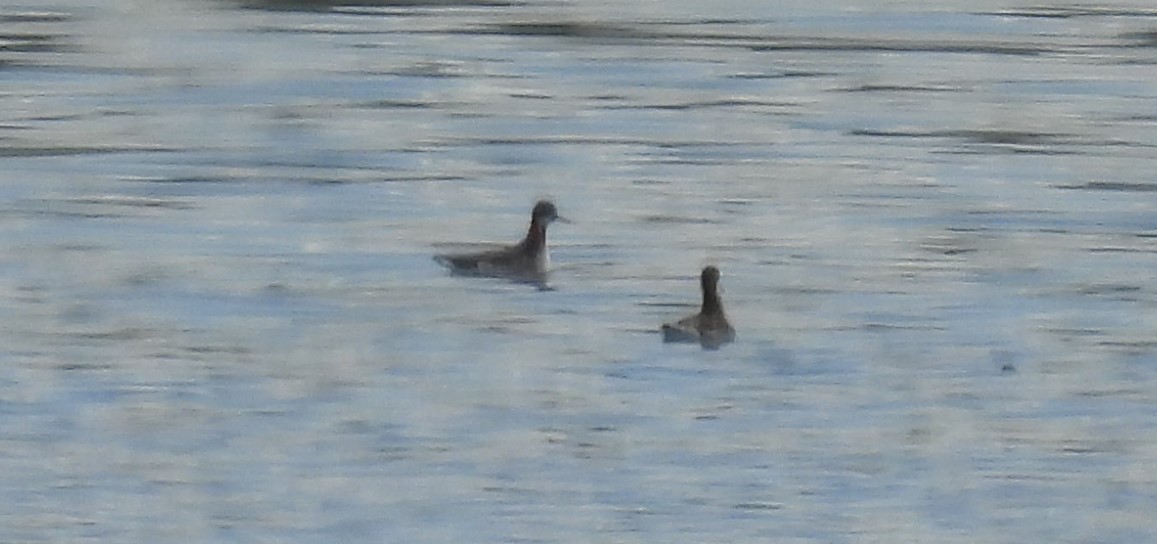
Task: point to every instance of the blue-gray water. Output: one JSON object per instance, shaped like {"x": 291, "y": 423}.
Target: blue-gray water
{"x": 936, "y": 223}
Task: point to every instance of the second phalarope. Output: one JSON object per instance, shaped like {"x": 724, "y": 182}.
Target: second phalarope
{"x": 709, "y": 327}
{"x": 528, "y": 260}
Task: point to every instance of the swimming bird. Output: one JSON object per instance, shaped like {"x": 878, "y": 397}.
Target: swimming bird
{"x": 528, "y": 260}
{"x": 709, "y": 327}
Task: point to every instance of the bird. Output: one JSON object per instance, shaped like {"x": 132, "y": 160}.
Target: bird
{"x": 528, "y": 260}
{"x": 709, "y": 327}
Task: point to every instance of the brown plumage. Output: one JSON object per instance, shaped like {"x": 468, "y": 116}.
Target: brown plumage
{"x": 709, "y": 327}
{"x": 528, "y": 260}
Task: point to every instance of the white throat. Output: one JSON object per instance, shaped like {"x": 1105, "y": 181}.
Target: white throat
{"x": 542, "y": 261}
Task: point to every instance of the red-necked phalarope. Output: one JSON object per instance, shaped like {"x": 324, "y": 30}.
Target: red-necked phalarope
{"x": 528, "y": 260}
{"x": 709, "y": 327}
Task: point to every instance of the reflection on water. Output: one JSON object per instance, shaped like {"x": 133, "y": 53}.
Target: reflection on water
{"x": 222, "y": 316}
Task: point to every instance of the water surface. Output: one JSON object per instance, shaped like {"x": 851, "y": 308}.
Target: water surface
{"x": 935, "y": 226}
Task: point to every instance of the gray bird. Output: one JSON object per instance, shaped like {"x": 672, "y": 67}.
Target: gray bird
{"x": 528, "y": 260}
{"x": 709, "y": 327}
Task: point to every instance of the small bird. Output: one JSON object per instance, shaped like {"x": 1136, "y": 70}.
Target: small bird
{"x": 528, "y": 260}
{"x": 709, "y": 327}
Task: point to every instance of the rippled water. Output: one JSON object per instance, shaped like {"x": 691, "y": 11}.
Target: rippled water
{"x": 936, "y": 227}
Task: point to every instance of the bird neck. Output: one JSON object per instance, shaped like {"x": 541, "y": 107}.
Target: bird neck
{"x": 711, "y": 303}
{"x": 535, "y": 240}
